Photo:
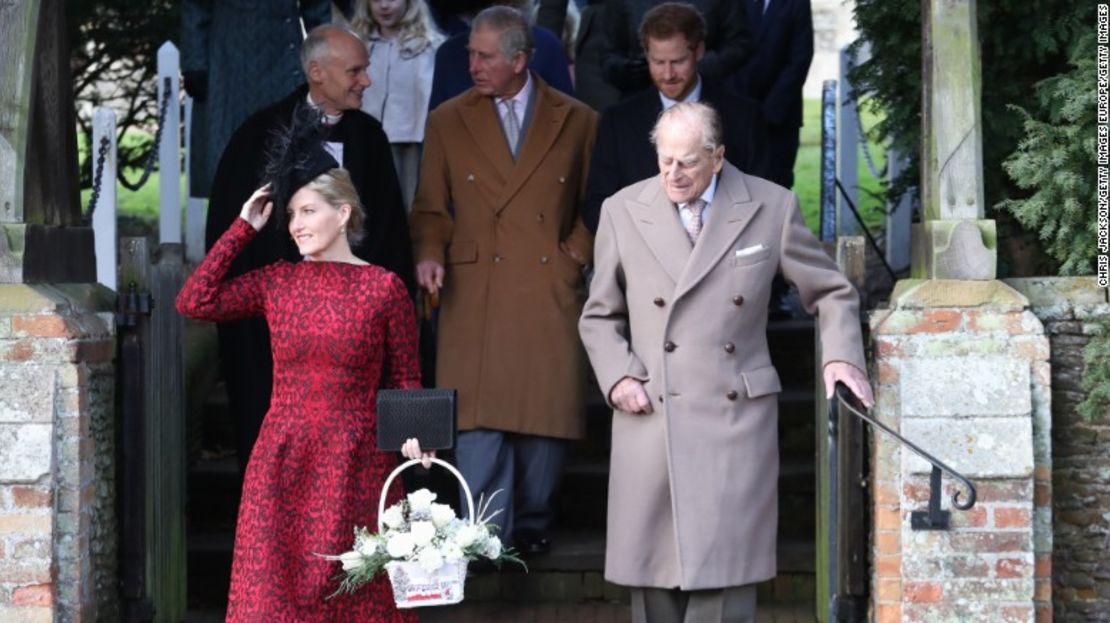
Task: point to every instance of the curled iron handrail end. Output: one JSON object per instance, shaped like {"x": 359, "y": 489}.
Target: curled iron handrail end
{"x": 971, "y": 496}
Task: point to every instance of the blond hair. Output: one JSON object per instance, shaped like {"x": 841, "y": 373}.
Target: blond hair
{"x": 336, "y": 187}
{"x": 417, "y": 30}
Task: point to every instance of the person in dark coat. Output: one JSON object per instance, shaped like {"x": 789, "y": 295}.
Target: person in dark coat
{"x": 774, "y": 76}
{"x": 728, "y": 41}
{"x": 673, "y": 36}
{"x": 452, "y": 72}
{"x": 236, "y": 58}
{"x": 590, "y": 84}
{"x": 335, "y": 62}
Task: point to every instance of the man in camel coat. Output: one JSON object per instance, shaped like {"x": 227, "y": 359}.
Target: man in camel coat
{"x": 675, "y": 327}
{"x": 498, "y": 237}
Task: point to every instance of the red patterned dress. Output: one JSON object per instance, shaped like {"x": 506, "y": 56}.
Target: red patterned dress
{"x": 315, "y": 472}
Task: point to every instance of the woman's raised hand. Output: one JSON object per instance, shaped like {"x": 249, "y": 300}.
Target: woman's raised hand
{"x": 257, "y": 209}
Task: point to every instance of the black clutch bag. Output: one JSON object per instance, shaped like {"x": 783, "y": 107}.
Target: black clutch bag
{"x": 429, "y": 415}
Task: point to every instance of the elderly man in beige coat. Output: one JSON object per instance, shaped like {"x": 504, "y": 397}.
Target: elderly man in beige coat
{"x": 675, "y": 327}
{"x": 497, "y": 234}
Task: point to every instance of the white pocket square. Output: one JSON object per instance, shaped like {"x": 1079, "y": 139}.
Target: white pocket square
{"x": 752, "y": 250}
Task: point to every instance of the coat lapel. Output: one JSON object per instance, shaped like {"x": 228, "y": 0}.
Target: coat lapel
{"x": 547, "y": 121}
{"x": 480, "y": 118}
{"x": 658, "y": 222}
{"x": 732, "y": 210}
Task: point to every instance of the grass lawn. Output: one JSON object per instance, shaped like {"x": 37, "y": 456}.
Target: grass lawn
{"x": 807, "y": 172}
{"x": 140, "y": 205}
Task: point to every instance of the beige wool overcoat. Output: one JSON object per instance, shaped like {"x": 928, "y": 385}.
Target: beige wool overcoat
{"x": 502, "y": 229}
{"x": 693, "y": 486}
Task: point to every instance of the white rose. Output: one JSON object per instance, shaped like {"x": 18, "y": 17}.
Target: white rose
{"x": 430, "y": 560}
{"x": 468, "y": 535}
{"x": 442, "y": 515}
{"x": 400, "y": 545}
{"x": 420, "y": 501}
{"x": 350, "y": 560}
{"x": 423, "y": 532}
{"x": 368, "y": 546}
{"x": 393, "y": 518}
{"x": 493, "y": 548}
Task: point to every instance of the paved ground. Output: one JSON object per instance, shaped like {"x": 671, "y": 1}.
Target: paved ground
{"x": 599, "y": 612}
{"x": 602, "y": 612}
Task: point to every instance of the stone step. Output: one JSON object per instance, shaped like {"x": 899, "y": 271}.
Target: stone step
{"x": 571, "y": 572}
{"x": 594, "y": 611}
{"x": 209, "y": 568}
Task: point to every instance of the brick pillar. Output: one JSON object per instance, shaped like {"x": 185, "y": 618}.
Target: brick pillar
{"x": 57, "y": 523}
{"x": 962, "y": 370}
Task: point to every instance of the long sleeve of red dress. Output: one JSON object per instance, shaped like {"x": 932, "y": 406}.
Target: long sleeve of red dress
{"x": 206, "y": 296}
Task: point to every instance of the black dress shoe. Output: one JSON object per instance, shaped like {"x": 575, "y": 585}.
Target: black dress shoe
{"x": 532, "y": 543}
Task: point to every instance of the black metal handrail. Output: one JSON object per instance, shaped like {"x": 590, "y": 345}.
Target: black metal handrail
{"x": 846, "y": 584}
{"x": 934, "y": 518}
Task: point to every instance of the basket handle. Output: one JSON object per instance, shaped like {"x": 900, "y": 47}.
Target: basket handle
{"x": 407, "y": 464}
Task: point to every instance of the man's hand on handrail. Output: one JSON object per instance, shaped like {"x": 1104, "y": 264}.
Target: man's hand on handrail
{"x": 852, "y": 378}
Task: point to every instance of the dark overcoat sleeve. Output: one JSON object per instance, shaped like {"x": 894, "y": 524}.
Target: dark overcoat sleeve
{"x": 195, "y": 17}
{"x": 783, "y": 103}
{"x": 552, "y": 15}
{"x": 628, "y": 72}
{"x": 604, "y": 176}
{"x": 730, "y": 41}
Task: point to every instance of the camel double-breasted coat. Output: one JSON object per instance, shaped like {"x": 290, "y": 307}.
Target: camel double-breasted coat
{"x": 693, "y": 486}
{"x": 502, "y": 229}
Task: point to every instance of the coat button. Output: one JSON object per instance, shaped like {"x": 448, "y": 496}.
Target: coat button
{"x": 470, "y": 178}
{"x": 497, "y": 259}
{"x": 669, "y": 346}
{"x": 562, "y": 180}
{"x": 732, "y": 395}
{"x": 729, "y": 347}
{"x": 543, "y": 260}
{"x": 738, "y": 300}
{"x": 660, "y": 397}
{"x": 539, "y": 217}
{"x": 659, "y": 302}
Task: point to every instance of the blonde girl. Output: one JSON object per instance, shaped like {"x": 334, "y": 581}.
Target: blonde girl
{"x": 402, "y": 42}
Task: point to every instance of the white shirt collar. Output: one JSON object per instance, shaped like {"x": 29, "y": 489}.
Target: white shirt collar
{"x": 693, "y": 96}
{"x": 707, "y": 196}
{"x": 521, "y": 98}
{"x": 328, "y": 119}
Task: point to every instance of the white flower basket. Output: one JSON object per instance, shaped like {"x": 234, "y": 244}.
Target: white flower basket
{"x": 413, "y": 587}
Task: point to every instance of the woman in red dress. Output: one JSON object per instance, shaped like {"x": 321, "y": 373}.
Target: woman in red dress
{"x": 315, "y": 473}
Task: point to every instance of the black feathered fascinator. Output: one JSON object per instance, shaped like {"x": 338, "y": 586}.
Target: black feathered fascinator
{"x": 296, "y": 156}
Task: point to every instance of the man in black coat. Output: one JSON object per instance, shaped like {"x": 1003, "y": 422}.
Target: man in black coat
{"x": 774, "y": 76}
{"x": 335, "y": 62}
{"x": 728, "y": 41}
{"x": 674, "y": 40}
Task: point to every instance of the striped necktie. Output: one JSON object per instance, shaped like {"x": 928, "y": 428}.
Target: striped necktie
{"x": 512, "y": 126}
